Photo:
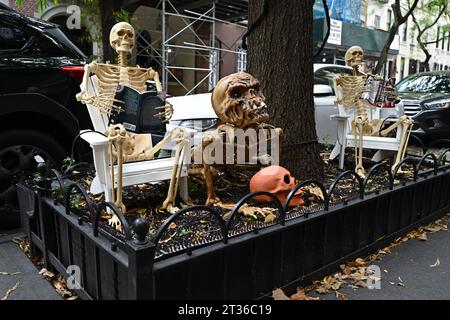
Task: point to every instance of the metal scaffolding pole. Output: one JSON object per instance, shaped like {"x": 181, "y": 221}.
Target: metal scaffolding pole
{"x": 172, "y": 47}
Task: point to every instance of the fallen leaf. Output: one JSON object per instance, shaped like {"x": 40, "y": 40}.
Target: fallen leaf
{"x": 385, "y": 271}
{"x": 270, "y": 218}
{"x": 48, "y": 274}
{"x": 302, "y": 296}
{"x": 400, "y": 279}
{"x": 11, "y": 290}
{"x": 341, "y": 295}
{"x": 437, "y": 264}
{"x": 422, "y": 237}
{"x": 173, "y": 225}
{"x": 361, "y": 284}
{"x": 357, "y": 263}
{"x": 400, "y": 284}
{"x": 278, "y": 294}
{"x": 9, "y": 273}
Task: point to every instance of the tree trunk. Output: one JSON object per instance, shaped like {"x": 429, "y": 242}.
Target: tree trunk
{"x": 384, "y": 53}
{"x": 107, "y": 9}
{"x": 280, "y": 55}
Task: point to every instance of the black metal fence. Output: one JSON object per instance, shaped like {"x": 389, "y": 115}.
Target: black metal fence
{"x": 293, "y": 250}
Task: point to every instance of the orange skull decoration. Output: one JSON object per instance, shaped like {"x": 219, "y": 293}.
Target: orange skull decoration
{"x": 278, "y": 181}
{"x": 237, "y": 100}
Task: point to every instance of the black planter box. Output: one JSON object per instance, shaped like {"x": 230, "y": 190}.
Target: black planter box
{"x": 291, "y": 252}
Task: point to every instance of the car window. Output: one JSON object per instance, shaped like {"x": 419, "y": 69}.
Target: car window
{"x": 12, "y": 37}
{"x": 434, "y": 83}
{"x": 327, "y": 74}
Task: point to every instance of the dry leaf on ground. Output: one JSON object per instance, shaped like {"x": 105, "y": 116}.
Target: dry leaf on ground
{"x": 341, "y": 295}
{"x": 302, "y": 296}
{"x": 278, "y": 294}
{"x": 48, "y": 274}
{"x": 11, "y": 290}
{"x": 2, "y": 273}
{"x": 437, "y": 264}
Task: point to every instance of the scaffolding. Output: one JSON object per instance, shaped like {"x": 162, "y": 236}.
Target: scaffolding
{"x": 195, "y": 14}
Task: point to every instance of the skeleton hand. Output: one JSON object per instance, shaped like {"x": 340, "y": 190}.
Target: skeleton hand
{"x": 167, "y": 114}
{"x": 115, "y": 223}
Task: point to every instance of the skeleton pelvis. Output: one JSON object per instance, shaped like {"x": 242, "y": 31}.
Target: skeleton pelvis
{"x": 369, "y": 128}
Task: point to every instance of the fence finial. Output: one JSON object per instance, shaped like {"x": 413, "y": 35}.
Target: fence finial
{"x": 140, "y": 227}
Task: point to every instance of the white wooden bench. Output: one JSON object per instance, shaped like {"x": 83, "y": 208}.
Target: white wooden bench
{"x": 149, "y": 171}
{"x": 386, "y": 146}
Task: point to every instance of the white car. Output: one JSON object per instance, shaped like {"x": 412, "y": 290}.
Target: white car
{"x": 196, "y": 112}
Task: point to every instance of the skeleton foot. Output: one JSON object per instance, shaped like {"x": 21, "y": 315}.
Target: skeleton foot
{"x": 211, "y": 201}
{"x": 226, "y": 206}
{"x": 115, "y": 223}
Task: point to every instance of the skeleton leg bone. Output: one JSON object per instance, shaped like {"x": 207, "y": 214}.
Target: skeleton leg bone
{"x": 169, "y": 203}
{"x": 406, "y": 123}
{"x": 359, "y": 125}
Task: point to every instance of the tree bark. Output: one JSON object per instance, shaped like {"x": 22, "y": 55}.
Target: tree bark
{"x": 280, "y": 53}
{"x": 107, "y": 9}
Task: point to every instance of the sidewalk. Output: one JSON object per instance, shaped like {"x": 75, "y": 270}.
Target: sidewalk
{"x": 31, "y": 285}
{"x": 410, "y": 275}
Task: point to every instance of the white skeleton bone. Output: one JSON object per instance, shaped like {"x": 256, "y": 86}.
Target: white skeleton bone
{"x": 349, "y": 95}
{"x": 124, "y": 146}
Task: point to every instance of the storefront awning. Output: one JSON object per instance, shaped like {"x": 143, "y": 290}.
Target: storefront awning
{"x": 353, "y": 35}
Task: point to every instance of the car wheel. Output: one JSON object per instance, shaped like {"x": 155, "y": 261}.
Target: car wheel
{"x": 20, "y": 152}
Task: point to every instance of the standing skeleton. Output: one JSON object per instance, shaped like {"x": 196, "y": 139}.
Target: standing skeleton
{"x": 349, "y": 91}
{"x": 123, "y": 145}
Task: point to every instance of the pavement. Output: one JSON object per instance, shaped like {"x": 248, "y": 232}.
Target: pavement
{"x": 408, "y": 265}
{"x": 30, "y": 284}
{"x": 407, "y": 273}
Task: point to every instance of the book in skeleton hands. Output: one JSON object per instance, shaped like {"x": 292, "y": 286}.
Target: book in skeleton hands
{"x": 378, "y": 92}
{"x": 138, "y": 110}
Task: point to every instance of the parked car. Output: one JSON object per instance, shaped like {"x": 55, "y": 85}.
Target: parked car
{"x": 426, "y": 97}
{"x": 40, "y": 73}
{"x": 324, "y": 100}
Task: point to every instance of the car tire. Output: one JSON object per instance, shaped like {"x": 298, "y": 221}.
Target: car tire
{"x": 18, "y": 151}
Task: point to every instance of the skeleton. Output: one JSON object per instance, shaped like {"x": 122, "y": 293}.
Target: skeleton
{"x": 110, "y": 76}
{"x": 125, "y": 146}
{"x": 350, "y": 90}
{"x": 239, "y": 104}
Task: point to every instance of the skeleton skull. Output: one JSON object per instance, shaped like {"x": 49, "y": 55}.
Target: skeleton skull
{"x": 122, "y": 37}
{"x": 354, "y": 56}
{"x": 237, "y": 100}
{"x": 278, "y": 181}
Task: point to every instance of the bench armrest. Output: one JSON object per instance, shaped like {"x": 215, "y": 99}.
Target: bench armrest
{"x": 93, "y": 138}
{"x": 339, "y": 117}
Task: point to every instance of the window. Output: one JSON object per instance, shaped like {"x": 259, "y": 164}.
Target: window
{"x": 402, "y": 68}
{"x": 437, "y": 38}
{"x": 389, "y": 19}
{"x": 405, "y": 32}
{"x": 448, "y": 42}
{"x": 377, "y": 21}
{"x": 12, "y": 38}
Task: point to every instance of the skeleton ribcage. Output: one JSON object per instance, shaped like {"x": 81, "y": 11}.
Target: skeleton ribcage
{"x": 352, "y": 88}
{"x": 109, "y": 78}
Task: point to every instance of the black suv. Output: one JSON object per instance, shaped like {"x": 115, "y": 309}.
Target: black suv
{"x": 426, "y": 97}
{"x": 40, "y": 74}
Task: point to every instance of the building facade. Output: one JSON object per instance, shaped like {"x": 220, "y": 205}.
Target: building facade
{"x": 410, "y": 57}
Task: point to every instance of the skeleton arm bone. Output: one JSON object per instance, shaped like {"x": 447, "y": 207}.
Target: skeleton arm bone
{"x": 83, "y": 96}
{"x": 153, "y": 75}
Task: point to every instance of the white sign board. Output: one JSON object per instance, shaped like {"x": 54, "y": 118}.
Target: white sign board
{"x": 335, "y": 32}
